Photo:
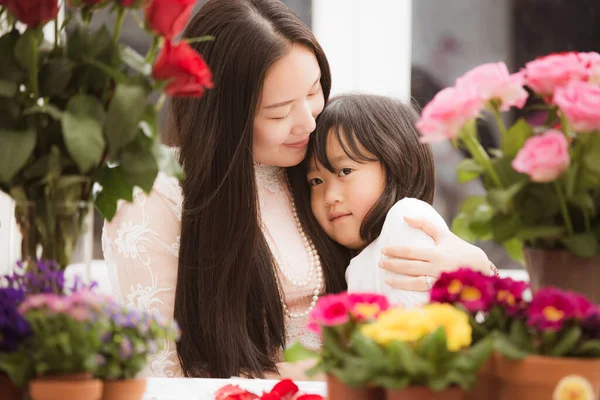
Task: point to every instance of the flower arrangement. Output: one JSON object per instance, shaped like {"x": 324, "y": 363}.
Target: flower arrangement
{"x": 553, "y": 323}
{"x": 77, "y": 122}
{"x": 542, "y": 183}
{"x": 49, "y": 329}
{"x": 285, "y": 389}
{"x": 368, "y": 343}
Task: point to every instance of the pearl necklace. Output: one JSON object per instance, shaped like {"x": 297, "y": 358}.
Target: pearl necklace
{"x": 314, "y": 265}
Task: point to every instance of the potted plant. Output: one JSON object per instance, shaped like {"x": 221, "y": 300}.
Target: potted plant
{"x": 542, "y": 184}
{"x": 130, "y": 338}
{"x": 372, "y": 351}
{"x": 545, "y": 346}
{"x": 76, "y": 122}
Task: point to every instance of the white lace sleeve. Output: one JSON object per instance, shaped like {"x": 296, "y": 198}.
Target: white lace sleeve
{"x": 141, "y": 248}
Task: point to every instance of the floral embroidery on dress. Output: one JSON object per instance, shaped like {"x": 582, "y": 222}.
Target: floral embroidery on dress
{"x": 268, "y": 176}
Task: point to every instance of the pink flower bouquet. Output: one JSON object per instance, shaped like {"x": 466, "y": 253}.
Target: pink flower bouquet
{"x": 542, "y": 182}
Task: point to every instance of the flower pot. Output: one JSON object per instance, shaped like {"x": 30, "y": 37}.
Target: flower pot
{"x": 424, "y": 393}
{"x": 565, "y": 270}
{"x": 486, "y": 384}
{"x": 539, "y": 378}
{"x": 8, "y": 389}
{"x": 125, "y": 389}
{"x": 72, "y": 387}
{"x": 337, "y": 390}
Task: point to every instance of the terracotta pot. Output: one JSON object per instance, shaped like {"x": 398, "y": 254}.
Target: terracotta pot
{"x": 537, "y": 378}
{"x": 126, "y": 389}
{"x": 487, "y": 385}
{"x": 423, "y": 393}
{"x": 8, "y": 389}
{"x": 337, "y": 390}
{"x": 565, "y": 270}
{"x": 72, "y": 387}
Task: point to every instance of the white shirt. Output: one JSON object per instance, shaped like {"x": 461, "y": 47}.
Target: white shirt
{"x": 364, "y": 275}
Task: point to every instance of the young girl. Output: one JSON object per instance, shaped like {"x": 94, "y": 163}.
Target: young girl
{"x": 367, "y": 170}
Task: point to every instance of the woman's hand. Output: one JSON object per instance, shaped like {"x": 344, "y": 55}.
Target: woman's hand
{"x": 450, "y": 253}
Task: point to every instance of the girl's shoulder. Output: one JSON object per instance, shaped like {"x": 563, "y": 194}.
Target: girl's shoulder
{"x": 414, "y": 208}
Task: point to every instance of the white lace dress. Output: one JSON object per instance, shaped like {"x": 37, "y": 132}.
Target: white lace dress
{"x": 141, "y": 246}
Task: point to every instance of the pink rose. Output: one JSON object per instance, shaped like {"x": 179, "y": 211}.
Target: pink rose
{"x": 546, "y": 74}
{"x": 331, "y": 310}
{"x": 447, "y": 113}
{"x": 493, "y": 82}
{"x": 543, "y": 157}
{"x": 580, "y": 103}
{"x": 591, "y": 61}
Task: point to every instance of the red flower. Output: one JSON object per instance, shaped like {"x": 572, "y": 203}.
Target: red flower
{"x": 168, "y": 17}
{"x": 366, "y": 306}
{"x": 310, "y": 397}
{"x": 509, "y": 294}
{"x": 584, "y": 306}
{"x": 234, "y": 392}
{"x": 551, "y": 308}
{"x": 471, "y": 289}
{"x": 184, "y": 69}
{"x": 33, "y": 12}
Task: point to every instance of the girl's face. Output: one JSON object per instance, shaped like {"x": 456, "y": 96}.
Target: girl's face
{"x": 291, "y": 99}
{"x": 340, "y": 200}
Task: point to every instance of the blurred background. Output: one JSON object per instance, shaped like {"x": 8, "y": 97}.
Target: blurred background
{"x": 413, "y": 49}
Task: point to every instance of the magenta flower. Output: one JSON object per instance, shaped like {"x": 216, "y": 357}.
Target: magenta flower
{"x": 509, "y": 295}
{"x": 365, "y": 306}
{"x": 473, "y": 290}
{"x": 331, "y": 310}
{"x": 551, "y": 308}
{"x": 591, "y": 324}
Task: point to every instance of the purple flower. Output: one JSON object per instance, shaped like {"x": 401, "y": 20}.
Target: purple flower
{"x": 551, "y": 308}
{"x": 591, "y": 324}
{"x": 471, "y": 289}
{"x": 13, "y": 327}
{"x": 125, "y": 349}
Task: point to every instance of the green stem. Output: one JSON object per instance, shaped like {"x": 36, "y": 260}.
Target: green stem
{"x": 119, "y": 24}
{"x": 206, "y": 38}
{"x": 161, "y": 101}
{"x": 153, "y": 50}
{"x": 499, "y": 122}
{"x": 480, "y": 156}
{"x": 56, "y": 33}
{"x": 34, "y": 70}
{"x": 563, "y": 208}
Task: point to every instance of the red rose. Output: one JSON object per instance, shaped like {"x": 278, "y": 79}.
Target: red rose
{"x": 33, "y": 12}
{"x": 168, "y": 17}
{"x": 184, "y": 69}
{"x": 234, "y": 392}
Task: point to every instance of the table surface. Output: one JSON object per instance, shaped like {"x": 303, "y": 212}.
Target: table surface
{"x": 204, "y": 389}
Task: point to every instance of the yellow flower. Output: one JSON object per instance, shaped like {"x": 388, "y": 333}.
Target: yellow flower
{"x": 399, "y": 324}
{"x": 573, "y": 387}
{"x": 455, "y": 323}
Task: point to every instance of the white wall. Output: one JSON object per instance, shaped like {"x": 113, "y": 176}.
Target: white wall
{"x": 368, "y": 44}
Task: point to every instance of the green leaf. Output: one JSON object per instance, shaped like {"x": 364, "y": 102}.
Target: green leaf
{"x": 433, "y": 346}
{"x": 520, "y": 336}
{"x": 502, "y": 198}
{"x": 10, "y": 70}
{"x": 467, "y": 170}
{"x": 567, "y": 343}
{"x": 570, "y": 177}
{"x": 591, "y": 157}
{"x": 7, "y": 88}
{"x": 589, "y": 348}
{"x": 298, "y": 352}
{"x": 124, "y": 114}
{"x": 401, "y": 357}
{"x": 140, "y": 166}
{"x": 82, "y": 129}
{"x": 135, "y": 61}
{"x": 505, "y": 227}
{"x": 507, "y": 173}
{"x": 55, "y": 76}
{"x": 514, "y": 248}
{"x": 582, "y": 244}
{"x": 106, "y": 69}
{"x": 508, "y": 349}
{"x": 16, "y": 148}
{"x": 167, "y": 161}
{"x": 114, "y": 188}
{"x": 479, "y": 353}
{"x": 584, "y": 201}
{"x": 531, "y": 233}
{"x": 48, "y": 108}
{"x": 27, "y": 46}
{"x": 461, "y": 228}
{"x": 515, "y": 137}
{"x": 391, "y": 382}
{"x": 477, "y": 209}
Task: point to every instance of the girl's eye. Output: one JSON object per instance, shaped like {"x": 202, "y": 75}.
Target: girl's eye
{"x": 345, "y": 171}
{"x": 315, "y": 182}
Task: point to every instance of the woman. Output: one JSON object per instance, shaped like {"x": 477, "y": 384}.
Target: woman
{"x": 248, "y": 268}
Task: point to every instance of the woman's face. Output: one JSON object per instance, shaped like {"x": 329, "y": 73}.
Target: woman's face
{"x": 291, "y": 99}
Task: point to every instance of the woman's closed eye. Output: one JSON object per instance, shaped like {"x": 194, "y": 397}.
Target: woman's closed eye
{"x": 314, "y": 182}
{"x": 345, "y": 172}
